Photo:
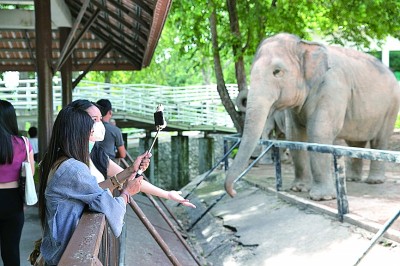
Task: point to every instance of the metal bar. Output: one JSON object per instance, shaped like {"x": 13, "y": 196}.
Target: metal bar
{"x": 237, "y": 179}
{"x": 341, "y": 199}
{"x": 124, "y": 162}
{"x": 378, "y": 235}
{"x": 253, "y": 163}
{"x": 162, "y": 202}
{"x": 154, "y": 140}
{"x": 214, "y": 167}
{"x": 154, "y": 232}
{"x": 160, "y": 210}
{"x": 178, "y": 234}
{"x": 278, "y": 168}
{"x": 363, "y": 153}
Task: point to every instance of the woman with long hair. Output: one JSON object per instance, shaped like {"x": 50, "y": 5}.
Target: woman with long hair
{"x": 67, "y": 186}
{"x": 69, "y": 180}
{"x": 12, "y": 154}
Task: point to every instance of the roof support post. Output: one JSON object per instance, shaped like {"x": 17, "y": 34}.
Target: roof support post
{"x": 44, "y": 73}
{"x": 66, "y": 70}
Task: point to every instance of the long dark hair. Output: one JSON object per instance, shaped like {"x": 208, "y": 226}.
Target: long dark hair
{"x": 98, "y": 155}
{"x": 8, "y": 128}
{"x": 69, "y": 139}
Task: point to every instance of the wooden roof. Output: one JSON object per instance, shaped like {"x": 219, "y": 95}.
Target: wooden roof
{"x": 115, "y": 34}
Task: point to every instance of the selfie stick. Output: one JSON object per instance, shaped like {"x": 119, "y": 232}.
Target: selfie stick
{"x": 160, "y": 123}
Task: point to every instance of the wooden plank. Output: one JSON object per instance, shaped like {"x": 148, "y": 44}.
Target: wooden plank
{"x": 83, "y": 248}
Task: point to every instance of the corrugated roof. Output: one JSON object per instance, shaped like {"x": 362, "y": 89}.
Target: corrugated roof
{"x": 127, "y": 31}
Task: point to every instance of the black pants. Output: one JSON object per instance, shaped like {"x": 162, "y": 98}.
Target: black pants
{"x": 11, "y": 223}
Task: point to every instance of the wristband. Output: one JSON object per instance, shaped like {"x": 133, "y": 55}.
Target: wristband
{"x": 127, "y": 195}
{"x": 119, "y": 184}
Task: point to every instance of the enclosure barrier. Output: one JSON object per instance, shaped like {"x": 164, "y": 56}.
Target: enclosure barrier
{"x": 337, "y": 152}
{"x": 92, "y": 243}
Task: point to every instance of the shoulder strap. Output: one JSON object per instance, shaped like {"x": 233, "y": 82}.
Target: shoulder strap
{"x": 26, "y": 148}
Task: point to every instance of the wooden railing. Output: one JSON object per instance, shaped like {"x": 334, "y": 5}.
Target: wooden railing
{"x": 92, "y": 243}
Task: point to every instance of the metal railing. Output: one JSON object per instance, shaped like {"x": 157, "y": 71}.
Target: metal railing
{"x": 190, "y": 106}
{"x": 336, "y": 151}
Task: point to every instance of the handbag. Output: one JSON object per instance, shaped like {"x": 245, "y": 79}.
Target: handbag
{"x": 26, "y": 182}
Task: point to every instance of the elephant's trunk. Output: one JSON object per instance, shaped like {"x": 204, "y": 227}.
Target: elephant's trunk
{"x": 253, "y": 127}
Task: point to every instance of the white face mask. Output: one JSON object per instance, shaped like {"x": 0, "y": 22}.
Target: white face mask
{"x": 98, "y": 131}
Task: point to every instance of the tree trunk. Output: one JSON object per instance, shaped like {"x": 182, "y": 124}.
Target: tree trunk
{"x": 237, "y": 51}
{"x": 222, "y": 91}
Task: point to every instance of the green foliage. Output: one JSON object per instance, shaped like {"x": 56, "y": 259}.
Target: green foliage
{"x": 397, "y": 125}
{"x": 394, "y": 59}
{"x": 233, "y": 153}
{"x": 184, "y": 54}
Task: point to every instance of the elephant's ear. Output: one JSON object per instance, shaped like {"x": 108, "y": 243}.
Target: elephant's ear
{"x": 314, "y": 62}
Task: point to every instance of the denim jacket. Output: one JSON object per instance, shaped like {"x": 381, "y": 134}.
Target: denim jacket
{"x": 71, "y": 188}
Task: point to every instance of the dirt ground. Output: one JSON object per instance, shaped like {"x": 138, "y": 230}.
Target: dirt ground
{"x": 375, "y": 203}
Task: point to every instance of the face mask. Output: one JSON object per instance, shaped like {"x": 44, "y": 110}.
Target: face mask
{"x": 91, "y": 145}
{"x": 98, "y": 131}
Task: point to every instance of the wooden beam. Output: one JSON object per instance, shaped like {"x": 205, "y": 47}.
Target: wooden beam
{"x": 44, "y": 73}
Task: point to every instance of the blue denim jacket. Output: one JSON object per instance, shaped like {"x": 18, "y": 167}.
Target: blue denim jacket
{"x": 71, "y": 188}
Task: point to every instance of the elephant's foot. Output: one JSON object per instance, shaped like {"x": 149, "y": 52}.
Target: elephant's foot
{"x": 375, "y": 179}
{"x": 299, "y": 186}
{"x": 322, "y": 192}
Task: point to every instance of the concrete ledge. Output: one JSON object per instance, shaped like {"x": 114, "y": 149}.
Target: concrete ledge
{"x": 353, "y": 219}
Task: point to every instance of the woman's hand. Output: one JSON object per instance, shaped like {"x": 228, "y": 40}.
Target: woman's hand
{"x": 132, "y": 186}
{"x": 175, "y": 195}
{"x": 142, "y": 162}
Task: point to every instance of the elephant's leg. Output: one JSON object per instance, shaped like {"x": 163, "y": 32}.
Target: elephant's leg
{"x": 354, "y": 165}
{"x": 301, "y": 162}
{"x": 377, "y": 168}
{"x": 319, "y": 131}
{"x": 323, "y": 186}
{"x": 302, "y": 171}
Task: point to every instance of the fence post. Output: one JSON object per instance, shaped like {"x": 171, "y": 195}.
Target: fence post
{"x": 278, "y": 169}
{"x": 342, "y": 203}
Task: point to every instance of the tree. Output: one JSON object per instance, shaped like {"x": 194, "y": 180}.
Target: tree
{"x": 338, "y": 21}
{"x": 188, "y": 53}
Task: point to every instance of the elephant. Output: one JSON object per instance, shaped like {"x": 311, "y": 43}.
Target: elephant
{"x": 330, "y": 93}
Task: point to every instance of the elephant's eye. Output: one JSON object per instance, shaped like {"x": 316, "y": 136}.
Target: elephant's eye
{"x": 278, "y": 72}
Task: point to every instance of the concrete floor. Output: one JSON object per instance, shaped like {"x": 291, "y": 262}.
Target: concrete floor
{"x": 262, "y": 227}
